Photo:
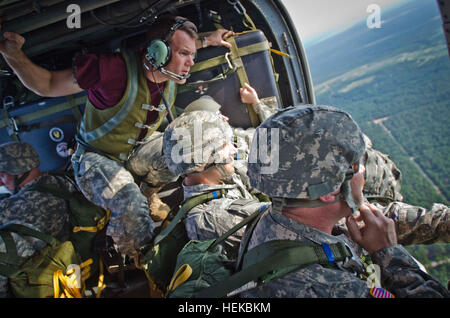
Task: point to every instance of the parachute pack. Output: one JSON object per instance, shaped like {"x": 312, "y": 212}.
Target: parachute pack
{"x": 202, "y": 270}
{"x": 61, "y": 268}
{"x": 159, "y": 257}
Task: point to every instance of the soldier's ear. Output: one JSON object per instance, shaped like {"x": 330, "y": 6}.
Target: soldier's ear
{"x": 327, "y": 198}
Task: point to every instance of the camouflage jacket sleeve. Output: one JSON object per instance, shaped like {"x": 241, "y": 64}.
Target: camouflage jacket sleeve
{"x": 416, "y": 225}
{"x": 401, "y": 275}
{"x": 266, "y": 107}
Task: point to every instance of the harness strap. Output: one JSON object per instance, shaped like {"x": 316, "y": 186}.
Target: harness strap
{"x": 296, "y": 255}
{"x": 28, "y": 231}
{"x": 240, "y": 225}
{"x": 243, "y": 78}
{"x": 185, "y": 271}
{"x": 11, "y": 261}
{"x": 222, "y": 59}
{"x": 65, "y": 195}
{"x": 10, "y": 257}
{"x": 185, "y": 208}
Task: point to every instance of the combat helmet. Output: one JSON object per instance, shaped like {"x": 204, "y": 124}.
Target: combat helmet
{"x": 196, "y": 138}
{"x": 18, "y": 157}
{"x": 316, "y": 148}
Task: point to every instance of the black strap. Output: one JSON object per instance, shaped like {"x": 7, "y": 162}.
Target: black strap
{"x": 18, "y": 181}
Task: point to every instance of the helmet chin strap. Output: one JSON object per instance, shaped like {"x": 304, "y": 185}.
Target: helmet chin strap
{"x": 220, "y": 167}
{"x": 347, "y": 196}
{"x": 279, "y": 203}
{"x": 18, "y": 181}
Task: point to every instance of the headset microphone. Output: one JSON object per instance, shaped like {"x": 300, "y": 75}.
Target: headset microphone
{"x": 173, "y": 75}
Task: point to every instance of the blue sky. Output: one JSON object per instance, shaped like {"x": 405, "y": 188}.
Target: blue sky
{"x": 318, "y": 19}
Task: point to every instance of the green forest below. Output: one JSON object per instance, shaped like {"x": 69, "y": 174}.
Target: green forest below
{"x": 394, "y": 81}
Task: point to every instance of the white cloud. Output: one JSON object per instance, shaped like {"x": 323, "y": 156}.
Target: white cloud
{"x": 315, "y": 17}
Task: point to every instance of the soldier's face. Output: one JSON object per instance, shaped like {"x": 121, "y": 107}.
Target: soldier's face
{"x": 7, "y": 181}
{"x": 183, "y": 53}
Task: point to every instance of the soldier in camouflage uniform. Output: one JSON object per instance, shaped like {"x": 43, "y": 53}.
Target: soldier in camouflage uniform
{"x": 44, "y": 212}
{"x": 414, "y": 224}
{"x": 317, "y": 183}
{"x": 198, "y": 146}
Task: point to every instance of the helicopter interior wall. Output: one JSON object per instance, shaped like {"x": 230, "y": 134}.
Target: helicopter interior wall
{"x": 111, "y": 25}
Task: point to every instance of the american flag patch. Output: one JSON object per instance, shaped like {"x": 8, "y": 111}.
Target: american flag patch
{"x": 378, "y": 292}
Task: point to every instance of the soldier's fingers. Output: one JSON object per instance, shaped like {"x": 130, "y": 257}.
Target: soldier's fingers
{"x": 249, "y": 88}
{"x": 377, "y": 212}
{"x": 367, "y": 215}
{"x": 228, "y": 34}
{"x": 13, "y": 37}
{"x": 226, "y": 44}
{"x": 353, "y": 229}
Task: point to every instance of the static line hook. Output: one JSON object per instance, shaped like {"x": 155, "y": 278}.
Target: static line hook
{"x": 237, "y": 6}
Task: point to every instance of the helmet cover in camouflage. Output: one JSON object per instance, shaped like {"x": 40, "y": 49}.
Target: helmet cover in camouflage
{"x": 18, "y": 157}
{"x": 317, "y": 145}
{"x": 195, "y": 139}
{"x": 206, "y": 103}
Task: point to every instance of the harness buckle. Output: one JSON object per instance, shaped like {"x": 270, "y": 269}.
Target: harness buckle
{"x": 160, "y": 108}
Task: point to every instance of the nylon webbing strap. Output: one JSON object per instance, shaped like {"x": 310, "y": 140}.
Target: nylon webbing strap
{"x": 185, "y": 208}
{"x": 10, "y": 257}
{"x": 10, "y": 261}
{"x": 221, "y": 59}
{"x": 8, "y": 270}
{"x": 243, "y": 79}
{"x": 52, "y": 189}
{"x": 238, "y": 226}
{"x": 44, "y": 112}
{"x": 302, "y": 255}
{"x": 27, "y": 231}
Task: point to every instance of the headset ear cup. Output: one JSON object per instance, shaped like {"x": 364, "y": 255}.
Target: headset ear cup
{"x": 158, "y": 53}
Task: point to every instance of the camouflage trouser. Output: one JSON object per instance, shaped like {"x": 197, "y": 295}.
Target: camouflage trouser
{"x": 107, "y": 183}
